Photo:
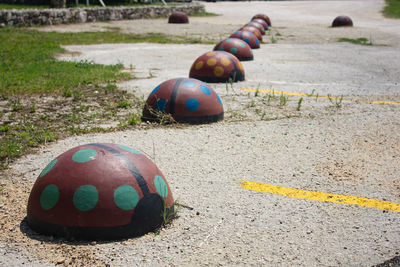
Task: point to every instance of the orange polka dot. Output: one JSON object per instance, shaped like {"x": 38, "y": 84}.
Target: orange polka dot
{"x": 211, "y": 61}
{"x": 225, "y": 61}
{"x": 199, "y": 65}
{"x": 210, "y": 54}
{"x": 240, "y": 66}
{"x": 218, "y": 71}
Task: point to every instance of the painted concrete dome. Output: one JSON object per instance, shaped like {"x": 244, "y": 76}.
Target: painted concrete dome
{"x": 99, "y": 191}
{"x": 262, "y": 22}
{"x": 187, "y": 100}
{"x": 263, "y": 17}
{"x": 254, "y": 30}
{"x": 237, "y": 47}
{"x": 217, "y": 67}
{"x": 259, "y": 26}
{"x": 341, "y": 21}
{"x": 248, "y": 37}
{"x": 178, "y": 17}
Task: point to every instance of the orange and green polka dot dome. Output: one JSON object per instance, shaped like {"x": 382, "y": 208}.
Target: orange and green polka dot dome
{"x": 98, "y": 191}
{"x": 217, "y": 66}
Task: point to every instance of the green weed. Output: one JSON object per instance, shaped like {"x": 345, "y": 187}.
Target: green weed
{"x": 123, "y": 103}
{"x": 299, "y": 104}
{"x": 335, "y": 101}
{"x": 204, "y": 14}
{"x": 283, "y": 100}
{"x": 392, "y": 9}
{"x": 360, "y": 41}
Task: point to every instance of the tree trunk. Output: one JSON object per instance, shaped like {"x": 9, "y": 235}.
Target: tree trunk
{"x": 57, "y": 3}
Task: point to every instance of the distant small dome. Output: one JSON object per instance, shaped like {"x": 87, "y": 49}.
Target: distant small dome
{"x": 178, "y": 17}
{"x": 342, "y": 21}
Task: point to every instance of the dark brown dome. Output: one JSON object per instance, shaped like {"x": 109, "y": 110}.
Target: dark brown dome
{"x": 342, "y": 21}
{"x": 178, "y": 17}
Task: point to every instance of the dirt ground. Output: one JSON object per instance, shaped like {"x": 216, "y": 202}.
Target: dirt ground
{"x": 349, "y": 145}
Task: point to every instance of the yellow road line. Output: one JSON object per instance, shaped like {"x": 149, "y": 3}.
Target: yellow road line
{"x": 320, "y": 196}
{"x": 317, "y": 96}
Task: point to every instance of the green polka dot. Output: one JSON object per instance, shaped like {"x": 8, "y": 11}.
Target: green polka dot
{"x": 84, "y": 155}
{"x": 228, "y": 40}
{"x": 126, "y": 197}
{"x": 161, "y": 186}
{"x": 48, "y": 168}
{"x": 49, "y": 197}
{"x": 242, "y": 44}
{"x": 85, "y": 197}
{"x": 221, "y": 48}
{"x": 233, "y": 50}
{"x": 127, "y": 148}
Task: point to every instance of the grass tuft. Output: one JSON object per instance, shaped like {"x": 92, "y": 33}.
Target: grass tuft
{"x": 392, "y": 9}
{"x": 359, "y": 41}
{"x": 204, "y": 14}
{"x": 42, "y": 98}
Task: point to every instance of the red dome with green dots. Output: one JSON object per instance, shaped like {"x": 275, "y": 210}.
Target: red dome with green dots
{"x": 254, "y": 30}
{"x": 217, "y": 67}
{"x": 263, "y": 17}
{"x": 341, "y": 21}
{"x": 178, "y": 17}
{"x": 187, "y": 100}
{"x": 259, "y": 26}
{"x": 237, "y": 47}
{"x": 248, "y": 37}
{"x": 262, "y": 22}
{"x": 99, "y": 191}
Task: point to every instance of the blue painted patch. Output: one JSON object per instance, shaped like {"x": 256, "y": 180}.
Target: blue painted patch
{"x": 189, "y": 84}
{"x": 161, "y": 104}
{"x": 205, "y": 89}
{"x": 219, "y": 99}
{"x": 247, "y": 40}
{"x": 257, "y": 42}
{"x": 192, "y": 104}
{"x": 156, "y": 89}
